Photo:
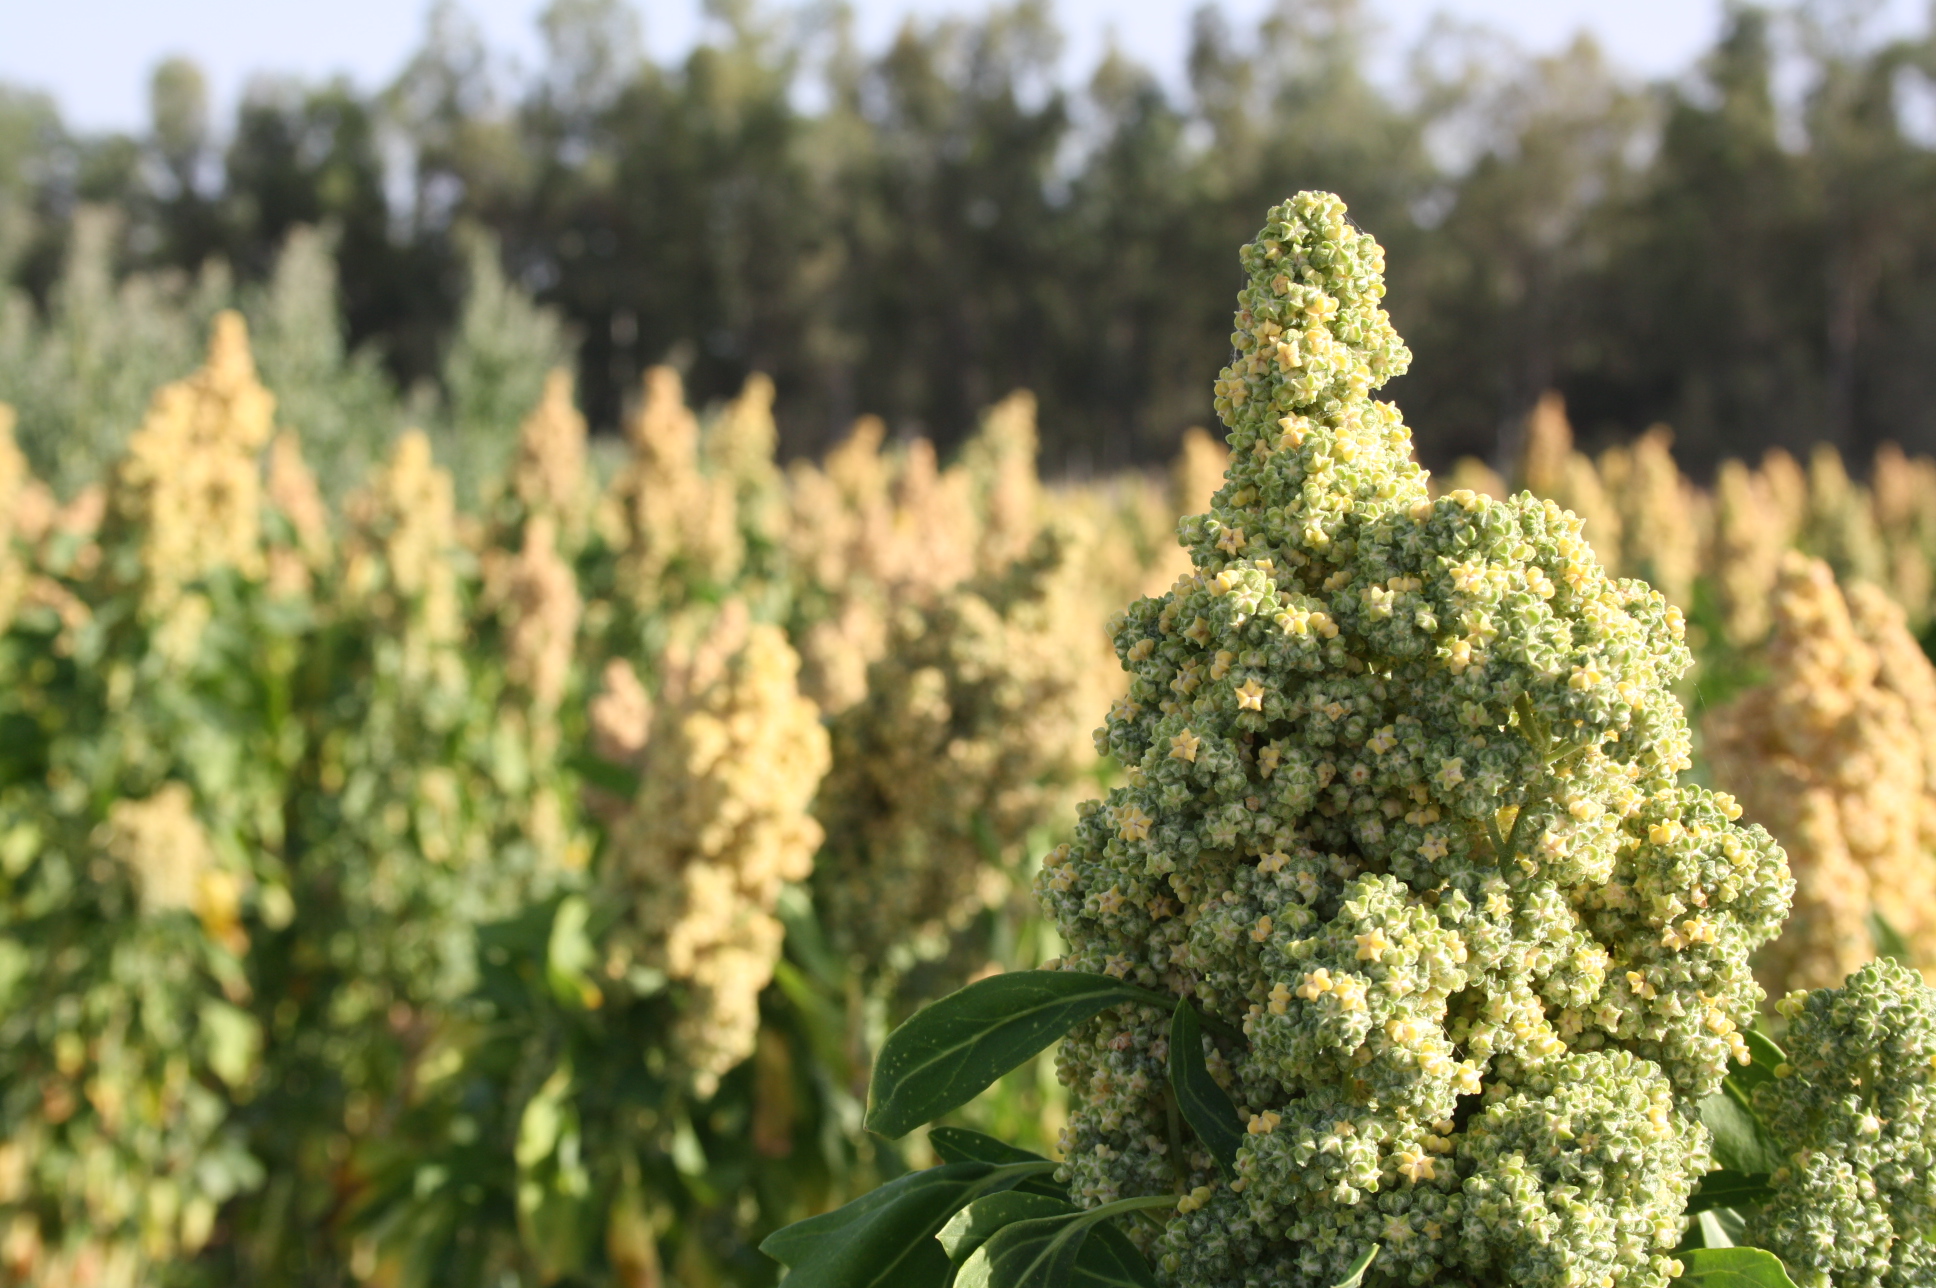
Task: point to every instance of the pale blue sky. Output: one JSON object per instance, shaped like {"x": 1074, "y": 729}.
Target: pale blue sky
{"x": 95, "y": 55}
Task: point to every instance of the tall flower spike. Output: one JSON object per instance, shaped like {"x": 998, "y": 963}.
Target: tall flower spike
{"x": 720, "y": 824}
{"x": 548, "y": 473}
{"x": 14, "y": 482}
{"x": 662, "y": 512}
{"x": 1750, "y": 534}
{"x": 1553, "y": 470}
{"x": 1828, "y": 755}
{"x": 1905, "y": 509}
{"x": 188, "y": 490}
{"x": 1660, "y": 514}
{"x": 1403, "y": 801}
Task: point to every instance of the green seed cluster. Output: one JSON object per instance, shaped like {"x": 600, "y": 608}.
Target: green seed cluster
{"x": 1856, "y": 1203}
{"x": 1402, "y": 801}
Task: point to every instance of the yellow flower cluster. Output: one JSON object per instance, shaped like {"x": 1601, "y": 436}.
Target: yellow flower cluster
{"x": 694, "y": 512}
{"x": 1662, "y": 517}
{"x": 1905, "y": 506}
{"x": 1403, "y": 802}
{"x": 1551, "y": 468}
{"x": 1833, "y": 755}
{"x": 167, "y": 850}
{"x": 300, "y": 545}
{"x": 733, "y": 756}
{"x": 14, "y": 482}
{"x": 1751, "y": 530}
{"x": 663, "y": 516}
{"x": 403, "y": 556}
{"x": 536, "y": 597}
{"x": 867, "y": 533}
{"x": 189, "y": 486}
{"x": 548, "y": 475}
{"x": 1645, "y": 520}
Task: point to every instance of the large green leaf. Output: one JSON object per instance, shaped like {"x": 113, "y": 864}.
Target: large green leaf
{"x": 950, "y": 1050}
{"x": 971, "y": 1227}
{"x": 1071, "y": 1251}
{"x": 1729, "y": 1189}
{"x": 1205, "y": 1105}
{"x": 1741, "y": 1143}
{"x": 1355, "y": 1276}
{"x": 1733, "y": 1268}
{"x": 960, "y": 1145}
{"x": 886, "y": 1237}
{"x": 1109, "y": 1260}
{"x": 1028, "y": 1254}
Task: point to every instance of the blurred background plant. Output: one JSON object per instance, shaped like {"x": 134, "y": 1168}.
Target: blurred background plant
{"x": 404, "y": 890}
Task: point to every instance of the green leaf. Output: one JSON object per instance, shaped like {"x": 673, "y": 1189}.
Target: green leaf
{"x": 1356, "y": 1275}
{"x": 950, "y": 1050}
{"x": 887, "y": 1236}
{"x": 1729, "y": 1189}
{"x": 601, "y": 773}
{"x": 1028, "y": 1254}
{"x": 960, "y": 1145}
{"x": 1733, "y": 1268}
{"x": 971, "y": 1227}
{"x": 1741, "y": 1143}
{"x": 1057, "y": 1252}
{"x": 1889, "y": 942}
{"x": 1106, "y": 1258}
{"x": 234, "y": 1041}
{"x": 570, "y": 955}
{"x": 1109, "y": 1260}
{"x": 1714, "y": 1231}
{"x": 1205, "y": 1105}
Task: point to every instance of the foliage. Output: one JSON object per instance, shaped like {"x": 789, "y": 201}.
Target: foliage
{"x": 918, "y": 226}
{"x": 404, "y": 887}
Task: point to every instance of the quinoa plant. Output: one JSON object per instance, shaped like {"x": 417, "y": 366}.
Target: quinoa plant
{"x": 1403, "y": 908}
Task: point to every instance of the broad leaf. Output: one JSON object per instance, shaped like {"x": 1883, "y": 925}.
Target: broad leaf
{"x": 1729, "y": 1189}
{"x": 1109, "y": 1260}
{"x": 886, "y": 1237}
{"x": 1714, "y": 1231}
{"x": 1356, "y": 1275}
{"x": 1075, "y": 1251}
{"x": 1029, "y": 1254}
{"x": 1204, "y": 1104}
{"x": 1890, "y": 942}
{"x": 971, "y": 1227}
{"x": 1741, "y": 1143}
{"x": 950, "y": 1050}
{"x": 1733, "y": 1268}
{"x": 960, "y": 1145}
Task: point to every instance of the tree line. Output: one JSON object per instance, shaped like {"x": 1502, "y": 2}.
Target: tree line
{"x": 1744, "y": 251}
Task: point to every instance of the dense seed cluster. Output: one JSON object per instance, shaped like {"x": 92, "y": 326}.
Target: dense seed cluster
{"x": 190, "y": 482}
{"x": 1855, "y": 1110}
{"x": 971, "y": 730}
{"x": 1834, "y": 754}
{"x": 1402, "y": 802}
{"x": 729, "y": 762}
